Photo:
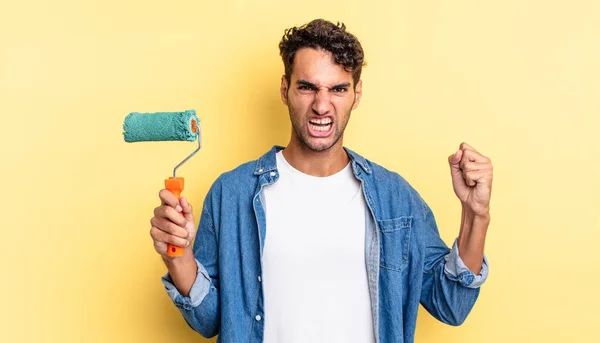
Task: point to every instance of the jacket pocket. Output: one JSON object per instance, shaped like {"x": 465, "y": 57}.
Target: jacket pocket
{"x": 395, "y": 242}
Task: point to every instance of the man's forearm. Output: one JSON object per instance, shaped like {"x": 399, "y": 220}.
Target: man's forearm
{"x": 471, "y": 239}
{"x": 183, "y": 271}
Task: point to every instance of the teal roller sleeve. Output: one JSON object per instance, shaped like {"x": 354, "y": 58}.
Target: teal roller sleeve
{"x": 160, "y": 126}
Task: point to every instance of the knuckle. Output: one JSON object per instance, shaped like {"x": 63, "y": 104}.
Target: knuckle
{"x": 162, "y": 211}
{"x": 168, "y": 213}
{"x": 165, "y": 211}
{"x": 154, "y": 233}
{"x": 159, "y": 247}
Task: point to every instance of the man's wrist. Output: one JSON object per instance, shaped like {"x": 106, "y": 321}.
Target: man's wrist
{"x": 471, "y": 215}
{"x": 175, "y": 262}
{"x": 471, "y": 238}
{"x": 182, "y": 271}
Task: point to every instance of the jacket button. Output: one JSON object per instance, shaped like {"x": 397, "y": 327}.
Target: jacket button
{"x": 257, "y": 318}
{"x": 260, "y": 170}
{"x": 273, "y": 173}
{"x": 259, "y": 278}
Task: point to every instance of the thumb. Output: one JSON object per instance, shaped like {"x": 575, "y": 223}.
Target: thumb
{"x": 456, "y": 173}
{"x": 454, "y": 159}
{"x": 187, "y": 209}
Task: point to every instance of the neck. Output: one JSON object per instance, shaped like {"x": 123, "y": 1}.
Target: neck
{"x": 316, "y": 163}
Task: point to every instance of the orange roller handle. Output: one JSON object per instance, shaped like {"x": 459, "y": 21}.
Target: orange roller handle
{"x": 175, "y": 186}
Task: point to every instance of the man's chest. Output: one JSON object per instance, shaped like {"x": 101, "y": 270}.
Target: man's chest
{"x": 312, "y": 226}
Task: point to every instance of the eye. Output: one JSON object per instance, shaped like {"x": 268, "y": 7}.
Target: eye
{"x": 339, "y": 89}
{"x": 304, "y": 88}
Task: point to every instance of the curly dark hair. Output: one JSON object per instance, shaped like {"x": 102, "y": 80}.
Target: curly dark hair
{"x": 322, "y": 34}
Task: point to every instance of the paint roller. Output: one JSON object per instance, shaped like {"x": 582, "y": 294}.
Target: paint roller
{"x": 165, "y": 126}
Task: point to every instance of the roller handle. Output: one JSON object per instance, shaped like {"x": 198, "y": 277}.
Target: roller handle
{"x": 175, "y": 186}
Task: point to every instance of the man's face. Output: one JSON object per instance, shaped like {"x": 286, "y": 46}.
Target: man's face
{"x": 320, "y": 97}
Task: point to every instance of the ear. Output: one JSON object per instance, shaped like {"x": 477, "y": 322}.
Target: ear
{"x": 357, "y": 94}
{"x": 283, "y": 90}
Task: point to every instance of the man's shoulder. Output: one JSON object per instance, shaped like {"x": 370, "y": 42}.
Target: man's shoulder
{"x": 379, "y": 173}
{"x": 390, "y": 178}
{"x": 386, "y": 182}
{"x": 239, "y": 175}
{"x": 244, "y": 174}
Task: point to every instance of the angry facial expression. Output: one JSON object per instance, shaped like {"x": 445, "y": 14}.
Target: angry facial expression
{"x": 320, "y": 97}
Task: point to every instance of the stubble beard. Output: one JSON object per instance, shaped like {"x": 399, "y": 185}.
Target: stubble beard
{"x": 304, "y": 137}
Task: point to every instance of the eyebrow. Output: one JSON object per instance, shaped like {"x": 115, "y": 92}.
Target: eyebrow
{"x": 312, "y": 85}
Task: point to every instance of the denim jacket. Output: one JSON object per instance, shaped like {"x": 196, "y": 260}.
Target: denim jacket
{"x": 407, "y": 261}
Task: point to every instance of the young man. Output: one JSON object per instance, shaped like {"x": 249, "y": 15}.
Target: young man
{"x": 313, "y": 242}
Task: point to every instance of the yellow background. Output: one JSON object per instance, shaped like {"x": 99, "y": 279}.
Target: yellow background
{"x": 518, "y": 80}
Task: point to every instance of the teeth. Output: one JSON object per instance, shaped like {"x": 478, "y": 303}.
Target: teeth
{"x": 324, "y": 121}
{"x": 320, "y": 128}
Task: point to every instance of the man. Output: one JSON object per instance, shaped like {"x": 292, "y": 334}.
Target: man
{"x": 314, "y": 243}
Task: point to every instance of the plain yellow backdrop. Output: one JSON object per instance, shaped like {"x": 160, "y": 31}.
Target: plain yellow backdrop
{"x": 518, "y": 80}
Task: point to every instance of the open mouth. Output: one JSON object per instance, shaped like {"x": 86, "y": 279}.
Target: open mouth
{"x": 320, "y": 124}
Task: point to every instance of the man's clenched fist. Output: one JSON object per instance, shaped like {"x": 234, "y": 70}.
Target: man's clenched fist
{"x": 472, "y": 175}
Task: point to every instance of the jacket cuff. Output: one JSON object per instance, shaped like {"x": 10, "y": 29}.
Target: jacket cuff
{"x": 456, "y": 269}
{"x": 199, "y": 290}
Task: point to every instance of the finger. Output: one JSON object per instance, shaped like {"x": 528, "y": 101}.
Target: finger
{"x": 169, "y": 227}
{"x": 159, "y": 236}
{"x": 455, "y": 158}
{"x": 160, "y": 247}
{"x": 474, "y": 156}
{"x": 478, "y": 176}
{"x": 465, "y": 146}
{"x": 455, "y": 170}
{"x": 468, "y": 177}
{"x": 188, "y": 211}
{"x": 466, "y": 165}
{"x": 168, "y": 198}
{"x": 171, "y": 214}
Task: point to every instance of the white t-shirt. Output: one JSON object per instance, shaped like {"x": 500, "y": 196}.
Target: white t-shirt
{"x": 314, "y": 272}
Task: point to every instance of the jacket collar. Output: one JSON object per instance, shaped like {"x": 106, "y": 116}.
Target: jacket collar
{"x": 268, "y": 162}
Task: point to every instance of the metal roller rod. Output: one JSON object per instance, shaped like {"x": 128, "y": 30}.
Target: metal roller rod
{"x": 192, "y": 154}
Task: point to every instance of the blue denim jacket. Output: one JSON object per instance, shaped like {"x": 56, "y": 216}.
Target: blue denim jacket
{"x": 407, "y": 262}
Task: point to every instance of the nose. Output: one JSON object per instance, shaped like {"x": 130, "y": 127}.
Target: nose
{"x": 322, "y": 102}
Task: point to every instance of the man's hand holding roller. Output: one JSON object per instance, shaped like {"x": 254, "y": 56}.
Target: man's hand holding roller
{"x": 169, "y": 226}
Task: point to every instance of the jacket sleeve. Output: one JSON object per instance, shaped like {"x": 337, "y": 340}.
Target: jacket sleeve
{"x": 449, "y": 289}
{"x": 201, "y": 308}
